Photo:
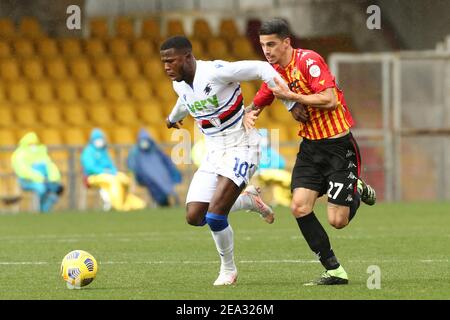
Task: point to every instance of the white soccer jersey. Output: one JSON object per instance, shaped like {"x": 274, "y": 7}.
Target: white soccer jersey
{"x": 215, "y": 99}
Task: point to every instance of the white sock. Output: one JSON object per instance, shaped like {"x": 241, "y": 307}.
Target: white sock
{"x": 243, "y": 202}
{"x": 224, "y": 244}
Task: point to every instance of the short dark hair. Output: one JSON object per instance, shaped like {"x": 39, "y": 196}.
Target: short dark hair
{"x": 176, "y": 42}
{"x": 277, "y": 26}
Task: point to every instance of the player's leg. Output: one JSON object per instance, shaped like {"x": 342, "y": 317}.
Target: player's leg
{"x": 200, "y": 193}
{"x": 251, "y": 200}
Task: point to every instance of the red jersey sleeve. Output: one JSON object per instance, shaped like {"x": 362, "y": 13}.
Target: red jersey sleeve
{"x": 316, "y": 72}
{"x": 263, "y": 97}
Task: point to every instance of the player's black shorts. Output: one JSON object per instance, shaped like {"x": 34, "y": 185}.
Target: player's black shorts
{"x": 328, "y": 166}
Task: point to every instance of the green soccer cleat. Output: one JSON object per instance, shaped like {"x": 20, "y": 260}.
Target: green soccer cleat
{"x": 368, "y": 194}
{"x": 330, "y": 277}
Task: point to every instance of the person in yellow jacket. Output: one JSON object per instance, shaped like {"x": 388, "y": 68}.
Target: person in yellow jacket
{"x": 36, "y": 171}
{"x": 101, "y": 173}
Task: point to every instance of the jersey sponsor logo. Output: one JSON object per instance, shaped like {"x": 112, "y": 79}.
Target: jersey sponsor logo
{"x": 314, "y": 71}
{"x": 201, "y": 105}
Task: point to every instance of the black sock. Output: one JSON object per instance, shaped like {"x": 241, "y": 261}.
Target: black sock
{"x": 317, "y": 239}
{"x": 354, "y": 206}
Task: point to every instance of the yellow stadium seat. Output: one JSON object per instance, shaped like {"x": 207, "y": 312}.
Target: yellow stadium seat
{"x": 7, "y": 138}
{"x": 7, "y": 28}
{"x": 80, "y": 68}
{"x": 242, "y": 49}
{"x": 154, "y": 132}
{"x": 6, "y": 117}
{"x": 99, "y": 27}
{"x": 248, "y": 92}
{"x": 118, "y": 47}
{"x": 9, "y": 69}
{"x": 128, "y": 68}
{"x": 66, "y": 91}
{"x": 5, "y": 50}
{"x": 50, "y": 136}
{"x": 94, "y": 47}
{"x": 100, "y": 115}
{"x": 175, "y": 27}
{"x": 153, "y": 69}
{"x": 104, "y": 68}
{"x": 124, "y": 28}
{"x": 26, "y": 116}
{"x": 125, "y": 114}
{"x": 56, "y": 69}
{"x": 70, "y": 47}
{"x": 142, "y": 48}
{"x": 30, "y": 27}
{"x": 279, "y": 112}
{"x": 150, "y": 112}
{"x": 202, "y": 31}
{"x": 122, "y": 135}
{"x": 42, "y": 91}
{"x": 18, "y": 92}
{"x": 198, "y": 50}
{"x": 164, "y": 90}
{"x": 74, "y": 137}
{"x": 33, "y": 69}
{"x": 140, "y": 89}
{"x": 2, "y": 94}
{"x": 50, "y": 115}
{"x": 115, "y": 90}
{"x": 76, "y": 115}
{"x": 228, "y": 29}
{"x": 91, "y": 91}
{"x": 47, "y": 47}
{"x": 151, "y": 29}
{"x": 218, "y": 49}
{"x": 23, "y": 47}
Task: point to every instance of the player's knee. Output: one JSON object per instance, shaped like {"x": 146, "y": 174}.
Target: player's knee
{"x": 338, "y": 222}
{"x": 195, "y": 220}
{"x": 300, "y": 209}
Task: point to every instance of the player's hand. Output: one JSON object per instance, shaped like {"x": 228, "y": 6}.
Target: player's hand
{"x": 250, "y": 119}
{"x": 300, "y": 112}
{"x": 176, "y": 125}
{"x": 281, "y": 90}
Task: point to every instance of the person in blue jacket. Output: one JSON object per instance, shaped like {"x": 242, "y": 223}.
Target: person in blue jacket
{"x": 153, "y": 169}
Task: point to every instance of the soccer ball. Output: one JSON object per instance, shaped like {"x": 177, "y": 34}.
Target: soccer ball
{"x": 78, "y": 269}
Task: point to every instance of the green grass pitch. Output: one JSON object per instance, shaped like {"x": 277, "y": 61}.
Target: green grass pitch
{"x": 154, "y": 254}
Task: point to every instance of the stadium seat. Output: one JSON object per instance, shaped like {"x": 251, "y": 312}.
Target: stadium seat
{"x": 128, "y": 68}
{"x": 104, "y": 68}
{"x": 2, "y": 94}
{"x": 33, "y": 69}
{"x": 70, "y": 47}
{"x": 80, "y": 68}
{"x": 75, "y": 115}
{"x": 6, "y": 117}
{"x": 74, "y": 137}
{"x": 248, "y": 92}
{"x": 26, "y": 116}
{"x": 150, "y": 112}
{"x": 175, "y": 27}
{"x": 153, "y": 69}
{"x": 7, "y": 138}
{"x": 23, "y": 47}
{"x": 42, "y": 91}
{"x": 94, "y": 47}
{"x": 5, "y": 50}
{"x": 7, "y": 28}
{"x": 91, "y": 91}
{"x": 124, "y": 28}
{"x": 198, "y": 50}
{"x": 228, "y": 30}
{"x": 18, "y": 92}
{"x": 9, "y": 69}
{"x": 140, "y": 89}
{"x": 99, "y": 27}
{"x": 217, "y": 49}
{"x": 115, "y": 90}
{"x": 141, "y": 48}
{"x": 123, "y": 135}
{"x": 279, "y": 112}
{"x": 100, "y": 115}
{"x": 30, "y": 27}
{"x": 118, "y": 47}
{"x": 47, "y": 47}
{"x": 125, "y": 114}
{"x": 56, "y": 69}
{"x": 50, "y": 115}
{"x": 202, "y": 31}
{"x": 168, "y": 97}
{"x": 154, "y": 133}
{"x": 50, "y": 136}
{"x": 66, "y": 91}
{"x": 242, "y": 49}
{"x": 151, "y": 30}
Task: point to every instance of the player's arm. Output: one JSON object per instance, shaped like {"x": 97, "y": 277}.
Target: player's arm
{"x": 175, "y": 118}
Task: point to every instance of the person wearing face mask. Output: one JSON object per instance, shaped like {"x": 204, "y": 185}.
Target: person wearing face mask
{"x": 37, "y": 172}
{"x": 100, "y": 172}
{"x": 153, "y": 169}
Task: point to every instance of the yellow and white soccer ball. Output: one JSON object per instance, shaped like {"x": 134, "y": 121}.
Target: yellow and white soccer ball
{"x": 78, "y": 269}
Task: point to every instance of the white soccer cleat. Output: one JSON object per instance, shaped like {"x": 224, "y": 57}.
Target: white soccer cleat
{"x": 259, "y": 206}
{"x": 226, "y": 278}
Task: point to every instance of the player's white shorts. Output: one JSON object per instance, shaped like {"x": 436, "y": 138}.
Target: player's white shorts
{"x": 237, "y": 163}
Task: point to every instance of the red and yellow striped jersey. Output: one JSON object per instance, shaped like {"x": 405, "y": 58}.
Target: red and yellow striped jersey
{"x": 307, "y": 73}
